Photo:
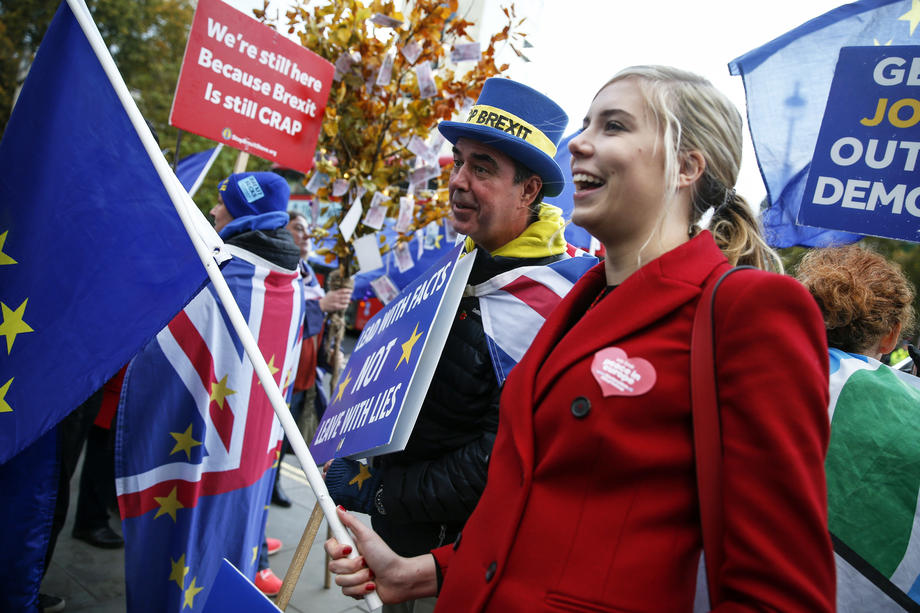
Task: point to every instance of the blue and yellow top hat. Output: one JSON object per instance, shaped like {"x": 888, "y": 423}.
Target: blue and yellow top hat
{"x": 520, "y": 122}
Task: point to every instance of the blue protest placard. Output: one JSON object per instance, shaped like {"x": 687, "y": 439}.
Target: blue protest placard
{"x": 376, "y": 402}
{"x": 863, "y": 175}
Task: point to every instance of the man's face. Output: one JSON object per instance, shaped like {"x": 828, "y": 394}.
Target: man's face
{"x": 485, "y": 202}
{"x": 299, "y": 229}
{"x": 220, "y": 214}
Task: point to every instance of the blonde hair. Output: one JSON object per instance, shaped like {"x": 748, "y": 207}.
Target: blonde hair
{"x": 694, "y": 116}
{"x": 862, "y": 295}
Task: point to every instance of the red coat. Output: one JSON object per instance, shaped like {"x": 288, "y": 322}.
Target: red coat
{"x": 591, "y": 501}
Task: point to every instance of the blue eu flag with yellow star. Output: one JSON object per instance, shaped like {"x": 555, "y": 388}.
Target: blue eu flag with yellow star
{"x": 787, "y": 82}
{"x": 94, "y": 259}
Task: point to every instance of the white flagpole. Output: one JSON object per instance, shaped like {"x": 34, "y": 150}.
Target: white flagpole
{"x": 208, "y": 247}
{"x": 204, "y": 171}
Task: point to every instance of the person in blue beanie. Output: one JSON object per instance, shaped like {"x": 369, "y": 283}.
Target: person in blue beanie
{"x": 251, "y": 213}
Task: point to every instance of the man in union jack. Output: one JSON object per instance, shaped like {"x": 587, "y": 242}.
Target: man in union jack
{"x": 198, "y": 440}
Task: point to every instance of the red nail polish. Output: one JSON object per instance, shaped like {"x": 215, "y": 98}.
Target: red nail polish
{"x": 340, "y": 508}
{"x": 370, "y": 587}
{"x": 346, "y": 550}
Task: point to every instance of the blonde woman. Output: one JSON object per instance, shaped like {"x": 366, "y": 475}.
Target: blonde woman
{"x": 591, "y": 501}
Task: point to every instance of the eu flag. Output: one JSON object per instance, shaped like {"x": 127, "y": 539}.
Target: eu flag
{"x": 93, "y": 257}
{"x": 786, "y": 84}
{"x": 198, "y": 439}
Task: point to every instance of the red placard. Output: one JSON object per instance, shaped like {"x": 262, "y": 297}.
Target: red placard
{"x": 245, "y": 85}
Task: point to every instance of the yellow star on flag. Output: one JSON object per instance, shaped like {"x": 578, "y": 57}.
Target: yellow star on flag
{"x": 271, "y": 368}
{"x": 437, "y": 240}
{"x": 255, "y": 553}
{"x": 878, "y": 44}
{"x": 190, "y": 594}
{"x": 179, "y": 570}
{"x": 287, "y": 379}
{"x": 407, "y": 347}
{"x": 168, "y": 505}
{"x": 219, "y": 391}
{"x": 184, "y": 442}
{"x": 13, "y": 323}
{"x": 343, "y": 385}
{"x": 4, "y": 405}
{"x": 363, "y": 475}
{"x": 4, "y": 258}
{"x": 912, "y": 16}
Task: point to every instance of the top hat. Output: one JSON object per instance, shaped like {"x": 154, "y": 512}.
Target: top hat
{"x": 520, "y": 122}
{"x": 254, "y": 193}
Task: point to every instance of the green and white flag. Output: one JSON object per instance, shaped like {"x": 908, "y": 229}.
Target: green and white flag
{"x": 873, "y": 481}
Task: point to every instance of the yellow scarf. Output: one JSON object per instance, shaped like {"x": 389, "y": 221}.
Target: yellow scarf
{"x": 540, "y": 239}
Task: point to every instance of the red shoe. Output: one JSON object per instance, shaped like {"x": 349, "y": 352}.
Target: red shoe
{"x": 274, "y": 545}
{"x": 267, "y": 582}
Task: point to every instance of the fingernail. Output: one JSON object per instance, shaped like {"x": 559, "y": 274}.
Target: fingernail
{"x": 340, "y": 508}
{"x": 370, "y": 587}
{"x": 346, "y": 550}
{"x": 371, "y": 572}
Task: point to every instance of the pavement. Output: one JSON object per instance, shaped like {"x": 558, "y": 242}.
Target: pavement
{"x": 92, "y": 579}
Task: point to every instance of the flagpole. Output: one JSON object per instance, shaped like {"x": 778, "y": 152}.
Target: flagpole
{"x": 207, "y": 254}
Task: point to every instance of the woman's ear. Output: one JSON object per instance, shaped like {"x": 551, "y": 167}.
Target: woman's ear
{"x": 889, "y": 342}
{"x": 692, "y": 166}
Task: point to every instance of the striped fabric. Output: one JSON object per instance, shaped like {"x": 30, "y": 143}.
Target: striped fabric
{"x": 198, "y": 439}
{"x": 515, "y": 304}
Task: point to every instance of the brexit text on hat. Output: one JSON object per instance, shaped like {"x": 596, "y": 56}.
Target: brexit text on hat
{"x": 486, "y": 115}
{"x": 498, "y": 121}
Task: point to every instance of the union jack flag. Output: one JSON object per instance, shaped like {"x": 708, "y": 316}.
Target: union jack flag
{"x": 515, "y": 304}
{"x": 198, "y": 439}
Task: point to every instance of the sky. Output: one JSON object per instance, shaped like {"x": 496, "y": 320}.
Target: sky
{"x": 579, "y": 44}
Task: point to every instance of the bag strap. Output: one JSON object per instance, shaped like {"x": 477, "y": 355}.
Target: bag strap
{"x": 707, "y": 433}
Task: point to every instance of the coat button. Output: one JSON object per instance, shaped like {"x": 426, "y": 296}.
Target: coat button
{"x": 490, "y": 572}
{"x": 457, "y": 541}
{"x": 581, "y": 406}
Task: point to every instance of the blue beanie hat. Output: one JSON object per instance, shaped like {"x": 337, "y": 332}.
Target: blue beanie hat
{"x": 254, "y": 193}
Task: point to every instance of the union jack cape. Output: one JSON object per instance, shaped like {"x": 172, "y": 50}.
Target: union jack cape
{"x": 198, "y": 440}
{"x": 515, "y": 304}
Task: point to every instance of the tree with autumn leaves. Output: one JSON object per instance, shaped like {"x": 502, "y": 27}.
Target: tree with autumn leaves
{"x": 370, "y": 121}
{"x": 397, "y": 75}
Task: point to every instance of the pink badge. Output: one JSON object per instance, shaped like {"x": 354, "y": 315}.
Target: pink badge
{"x": 619, "y": 375}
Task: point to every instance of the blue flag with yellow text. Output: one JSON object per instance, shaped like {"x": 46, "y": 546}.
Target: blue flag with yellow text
{"x": 787, "y": 82}
{"x": 93, "y": 257}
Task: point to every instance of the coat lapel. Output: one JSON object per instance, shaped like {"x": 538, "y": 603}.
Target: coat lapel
{"x": 517, "y": 396}
{"x": 648, "y": 295}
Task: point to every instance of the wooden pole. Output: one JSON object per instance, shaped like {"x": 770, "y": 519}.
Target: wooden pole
{"x": 241, "y": 160}
{"x": 327, "y": 576}
{"x": 300, "y": 558}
